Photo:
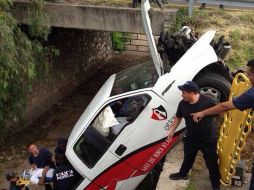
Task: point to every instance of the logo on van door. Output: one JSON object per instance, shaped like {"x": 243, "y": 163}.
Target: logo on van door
{"x": 159, "y": 113}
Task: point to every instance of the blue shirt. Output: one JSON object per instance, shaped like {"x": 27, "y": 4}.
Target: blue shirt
{"x": 245, "y": 100}
{"x": 43, "y": 159}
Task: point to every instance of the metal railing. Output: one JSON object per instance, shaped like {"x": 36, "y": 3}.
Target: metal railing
{"x": 235, "y": 3}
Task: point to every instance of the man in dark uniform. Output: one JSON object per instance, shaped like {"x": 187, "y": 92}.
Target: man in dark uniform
{"x": 65, "y": 177}
{"x": 61, "y": 145}
{"x": 199, "y": 136}
{"x": 242, "y": 102}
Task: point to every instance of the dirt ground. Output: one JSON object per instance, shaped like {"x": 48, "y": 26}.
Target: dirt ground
{"x": 199, "y": 170}
{"x": 60, "y": 119}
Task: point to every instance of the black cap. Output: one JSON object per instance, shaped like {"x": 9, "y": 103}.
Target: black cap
{"x": 10, "y": 175}
{"x": 189, "y": 86}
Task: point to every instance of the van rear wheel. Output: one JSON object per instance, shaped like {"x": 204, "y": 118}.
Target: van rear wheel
{"x": 214, "y": 85}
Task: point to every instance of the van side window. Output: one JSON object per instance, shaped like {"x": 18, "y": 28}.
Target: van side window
{"x": 106, "y": 126}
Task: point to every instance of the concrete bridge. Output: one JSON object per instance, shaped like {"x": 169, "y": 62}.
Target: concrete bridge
{"x": 100, "y": 18}
{"x": 82, "y": 34}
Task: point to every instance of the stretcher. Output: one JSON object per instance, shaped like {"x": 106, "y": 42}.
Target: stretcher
{"x": 233, "y": 132}
{"x": 24, "y": 178}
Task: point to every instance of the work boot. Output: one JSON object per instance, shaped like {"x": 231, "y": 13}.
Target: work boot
{"x": 177, "y": 176}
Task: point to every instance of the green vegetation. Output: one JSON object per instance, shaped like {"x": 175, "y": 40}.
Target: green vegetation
{"x": 38, "y": 20}
{"x": 22, "y": 62}
{"x": 119, "y": 39}
{"x": 190, "y": 186}
{"x": 106, "y": 2}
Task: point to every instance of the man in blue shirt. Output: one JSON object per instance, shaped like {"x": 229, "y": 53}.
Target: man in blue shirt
{"x": 41, "y": 158}
{"x": 242, "y": 102}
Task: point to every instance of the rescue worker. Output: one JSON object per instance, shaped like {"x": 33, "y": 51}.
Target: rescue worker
{"x": 61, "y": 145}
{"x": 199, "y": 136}
{"x": 40, "y": 158}
{"x": 65, "y": 177}
{"x": 242, "y": 102}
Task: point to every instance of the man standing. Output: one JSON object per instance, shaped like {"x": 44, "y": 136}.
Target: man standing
{"x": 199, "y": 136}
{"x": 242, "y": 102}
{"x": 40, "y": 158}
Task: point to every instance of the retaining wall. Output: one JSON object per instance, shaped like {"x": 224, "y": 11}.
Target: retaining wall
{"x": 82, "y": 52}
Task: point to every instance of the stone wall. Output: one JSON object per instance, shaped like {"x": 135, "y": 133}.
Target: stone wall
{"x": 138, "y": 42}
{"x": 131, "y": 42}
{"x": 82, "y": 52}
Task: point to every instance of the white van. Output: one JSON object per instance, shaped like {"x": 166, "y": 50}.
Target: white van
{"x": 122, "y": 134}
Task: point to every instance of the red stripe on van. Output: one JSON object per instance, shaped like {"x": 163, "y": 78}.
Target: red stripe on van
{"x": 140, "y": 163}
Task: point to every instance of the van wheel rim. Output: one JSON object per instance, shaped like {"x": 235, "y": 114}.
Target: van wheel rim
{"x": 211, "y": 92}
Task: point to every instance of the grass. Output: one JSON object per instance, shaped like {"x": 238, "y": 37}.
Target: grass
{"x": 190, "y": 186}
{"x": 236, "y": 25}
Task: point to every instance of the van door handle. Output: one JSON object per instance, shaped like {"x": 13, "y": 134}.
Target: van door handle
{"x": 120, "y": 150}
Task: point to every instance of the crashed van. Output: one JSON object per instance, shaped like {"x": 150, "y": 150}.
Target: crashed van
{"x": 122, "y": 135}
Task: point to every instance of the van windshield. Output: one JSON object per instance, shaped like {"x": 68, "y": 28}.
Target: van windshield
{"x": 137, "y": 77}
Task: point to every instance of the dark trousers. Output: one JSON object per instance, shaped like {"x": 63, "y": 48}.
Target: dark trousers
{"x": 252, "y": 178}
{"x": 210, "y": 156}
{"x": 48, "y": 187}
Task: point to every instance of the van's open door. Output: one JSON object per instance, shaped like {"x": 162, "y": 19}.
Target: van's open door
{"x": 145, "y": 7}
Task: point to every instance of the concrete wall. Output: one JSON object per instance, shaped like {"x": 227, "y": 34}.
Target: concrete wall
{"x": 101, "y": 18}
{"x": 81, "y": 53}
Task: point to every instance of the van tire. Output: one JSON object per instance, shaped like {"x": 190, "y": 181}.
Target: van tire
{"x": 216, "y": 83}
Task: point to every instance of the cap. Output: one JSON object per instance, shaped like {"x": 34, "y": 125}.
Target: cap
{"x": 189, "y": 86}
{"x": 10, "y": 175}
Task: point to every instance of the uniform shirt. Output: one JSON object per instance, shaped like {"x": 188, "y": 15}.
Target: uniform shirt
{"x": 245, "y": 101}
{"x": 43, "y": 159}
{"x": 65, "y": 177}
{"x": 204, "y": 130}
